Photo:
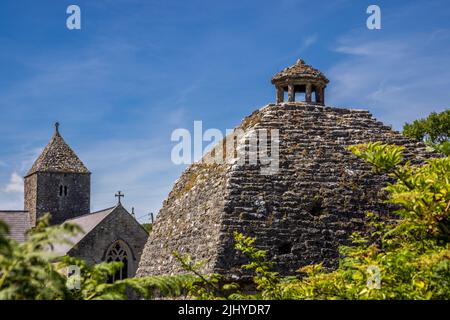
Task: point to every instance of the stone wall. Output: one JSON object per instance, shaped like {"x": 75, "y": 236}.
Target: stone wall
{"x": 30, "y": 198}
{"x": 300, "y": 215}
{"x": 191, "y": 220}
{"x": 42, "y": 195}
{"x": 118, "y": 225}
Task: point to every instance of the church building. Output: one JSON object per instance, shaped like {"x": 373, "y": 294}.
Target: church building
{"x": 60, "y": 184}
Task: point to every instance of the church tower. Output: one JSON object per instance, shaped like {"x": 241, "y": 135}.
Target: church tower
{"x": 58, "y": 183}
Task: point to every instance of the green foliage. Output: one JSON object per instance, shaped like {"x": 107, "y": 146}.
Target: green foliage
{"x": 421, "y": 192}
{"x": 267, "y": 282}
{"x": 26, "y": 271}
{"x": 148, "y": 227}
{"x": 206, "y": 287}
{"x": 434, "y": 131}
{"x": 412, "y": 253}
{"x": 402, "y": 256}
{"x": 443, "y": 147}
{"x": 32, "y": 271}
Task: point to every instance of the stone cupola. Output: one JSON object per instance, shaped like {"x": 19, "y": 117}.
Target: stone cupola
{"x": 300, "y": 78}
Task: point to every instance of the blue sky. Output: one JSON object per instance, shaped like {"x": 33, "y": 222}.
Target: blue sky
{"x": 139, "y": 69}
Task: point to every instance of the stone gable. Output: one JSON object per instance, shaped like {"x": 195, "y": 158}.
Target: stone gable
{"x": 117, "y": 225}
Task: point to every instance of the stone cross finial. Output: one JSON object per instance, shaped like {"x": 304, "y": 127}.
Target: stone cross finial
{"x": 119, "y": 195}
{"x": 57, "y": 127}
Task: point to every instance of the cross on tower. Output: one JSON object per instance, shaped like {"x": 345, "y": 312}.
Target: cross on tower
{"x": 119, "y": 195}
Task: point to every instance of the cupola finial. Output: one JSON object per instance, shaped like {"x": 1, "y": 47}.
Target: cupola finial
{"x": 57, "y": 127}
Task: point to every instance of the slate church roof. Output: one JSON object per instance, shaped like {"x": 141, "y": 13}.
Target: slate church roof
{"x": 87, "y": 223}
{"x": 17, "y": 222}
{"x": 57, "y": 156}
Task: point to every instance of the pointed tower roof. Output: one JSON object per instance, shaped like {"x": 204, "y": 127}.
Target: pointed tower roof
{"x": 57, "y": 156}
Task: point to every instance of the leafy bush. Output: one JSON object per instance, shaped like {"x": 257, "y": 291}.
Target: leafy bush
{"x": 148, "y": 227}
{"x": 434, "y": 131}
{"x": 30, "y": 271}
{"x": 411, "y": 254}
{"x": 403, "y": 256}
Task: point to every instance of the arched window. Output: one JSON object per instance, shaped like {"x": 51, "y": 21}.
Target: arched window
{"x": 119, "y": 251}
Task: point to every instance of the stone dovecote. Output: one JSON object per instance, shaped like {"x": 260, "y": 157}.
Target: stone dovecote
{"x": 319, "y": 196}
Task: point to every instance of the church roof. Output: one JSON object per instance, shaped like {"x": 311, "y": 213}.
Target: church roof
{"x": 87, "y": 223}
{"x": 17, "y": 222}
{"x": 57, "y": 156}
{"x": 298, "y": 71}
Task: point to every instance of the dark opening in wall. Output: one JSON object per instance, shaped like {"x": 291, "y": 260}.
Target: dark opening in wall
{"x": 285, "y": 248}
{"x": 316, "y": 206}
{"x": 63, "y": 191}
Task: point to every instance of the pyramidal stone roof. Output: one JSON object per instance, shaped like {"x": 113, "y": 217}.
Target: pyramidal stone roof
{"x": 301, "y": 214}
{"x": 300, "y": 70}
{"x": 57, "y": 156}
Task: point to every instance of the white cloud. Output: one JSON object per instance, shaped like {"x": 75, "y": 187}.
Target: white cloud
{"x": 399, "y": 79}
{"x": 15, "y": 184}
{"x": 309, "y": 41}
